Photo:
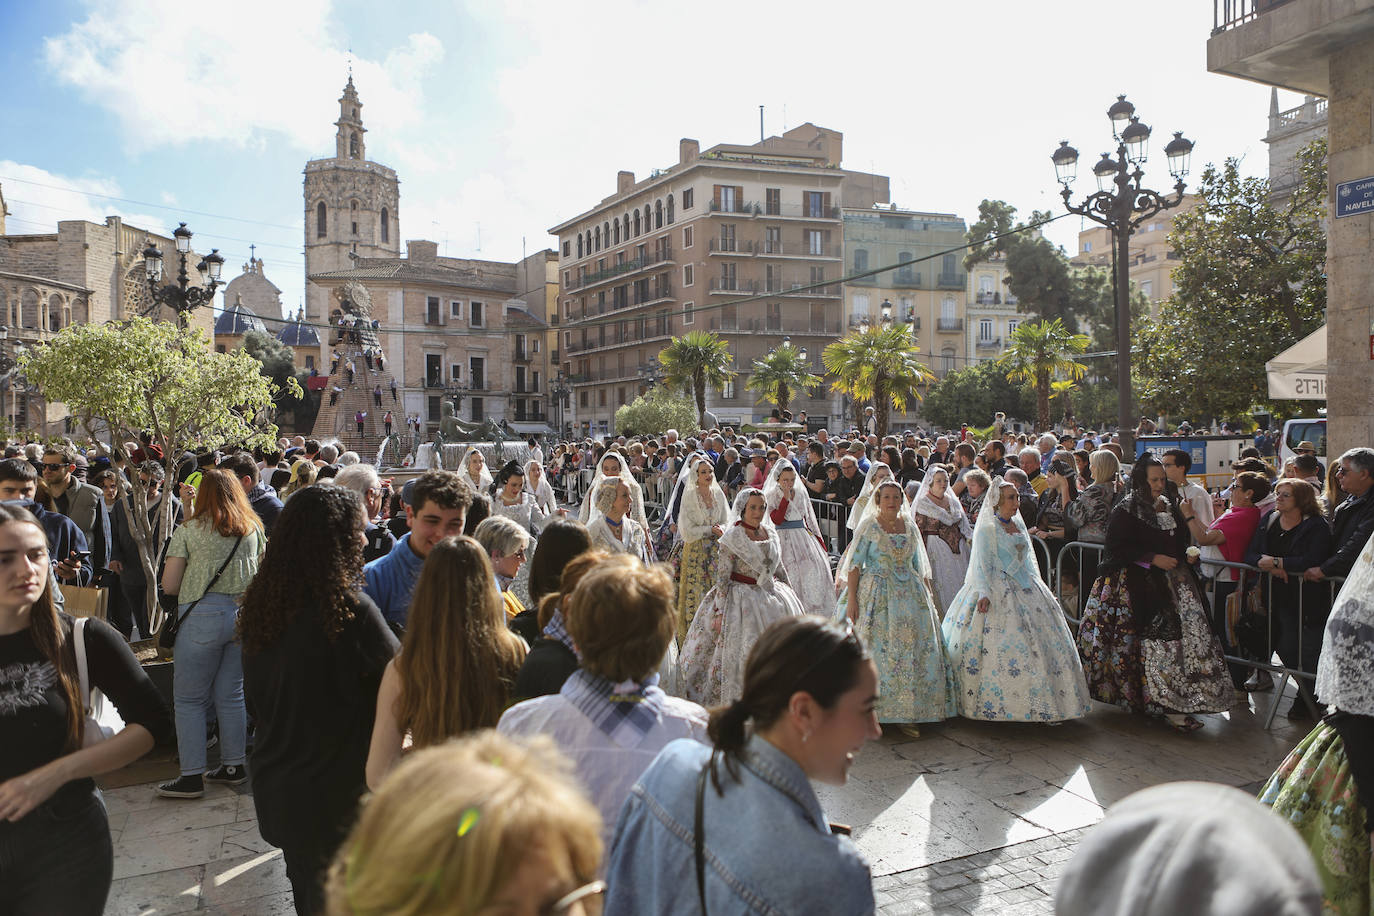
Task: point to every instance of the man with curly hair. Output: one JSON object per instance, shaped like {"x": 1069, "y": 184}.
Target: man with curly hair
{"x": 437, "y": 508}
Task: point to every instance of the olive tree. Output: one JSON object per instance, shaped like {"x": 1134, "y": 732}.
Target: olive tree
{"x": 139, "y": 374}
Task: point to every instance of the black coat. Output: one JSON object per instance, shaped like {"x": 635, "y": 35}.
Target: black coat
{"x": 1351, "y": 528}
{"x": 1308, "y": 544}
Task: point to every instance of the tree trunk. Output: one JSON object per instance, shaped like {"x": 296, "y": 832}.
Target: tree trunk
{"x": 1042, "y": 400}
{"x": 784, "y": 397}
{"x": 882, "y": 406}
{"x": 699, "y": 392}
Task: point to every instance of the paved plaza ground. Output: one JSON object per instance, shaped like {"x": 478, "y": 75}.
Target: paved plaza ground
{"x": 969, "y": 818}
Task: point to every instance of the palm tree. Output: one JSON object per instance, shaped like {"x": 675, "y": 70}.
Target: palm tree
{"x": 781, "y": 374}
{"x": 1039, "y": 352}
{"x": 879, "y": 364}
{"x": 694, "y": 361}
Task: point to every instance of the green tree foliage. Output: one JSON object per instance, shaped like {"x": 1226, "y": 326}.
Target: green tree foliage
{"x": 278, "y": 364}
{"x": 1250, "y": 282}
{"x": 1039, "y": 353}
{"x": 878, "y": 365}
{"x": 695, "y": 360}
{"x": 780, "y": 374}
{"x": 652, "y": 413}
{"x": 1038, "y": 273}
{"x": 140, "y": 374}
{"x": 973, "y": 395}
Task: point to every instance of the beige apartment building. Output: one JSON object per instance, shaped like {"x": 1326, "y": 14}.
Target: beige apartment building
{"x": 746, "y": 241}
{"x": 1152, "y": 258}
{"x": 992, "y": 313}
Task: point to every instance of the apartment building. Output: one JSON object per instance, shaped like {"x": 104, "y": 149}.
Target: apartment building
{"x": 746, "y": 241}
{"x": 992, "y": 310}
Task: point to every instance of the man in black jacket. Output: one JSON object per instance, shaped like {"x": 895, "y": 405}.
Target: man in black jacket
{"x": 1354, "y": 519}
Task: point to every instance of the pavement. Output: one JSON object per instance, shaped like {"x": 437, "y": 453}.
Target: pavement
{"x": 970, "y": 818}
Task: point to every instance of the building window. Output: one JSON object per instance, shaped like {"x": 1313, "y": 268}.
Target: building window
{"x": 860, "y": 259}
{"x": 815, "y": 242}
{"x": 727, "y": 198}
{"x": 727, "y": 391}
{"x": 815, "y": 204}
{"x": 434, "y": 370}
{"x": 309, "y": 361}
{"x": 597, "y": 237}
{"x": 687, "y": 275}
{"x": 772, "y": 278}
{"x": 984, "y": 284}
{"x": 947, "y": 307}
{"x": 727, "y": 276}
{"x": 601, "y": 397}
{"x": 687, "y": 237}
{"x": 435, "y": 408}
{"x": 477, "y": 373}
{"x": 670, "y": 209}
{"x": 1148, "y": 288}
{"x": 860, "y": 307}
{"x": 688, "y": 199}
{"x": 386, "y": 225}
{"x": 479, "y": 411}
{"x": 985, "y": 329}
{"x": 582, "y": 399}
{"x": 579, "y": 244}
{"x": 1012, "y": 325}
{"x": 947, "y": 360}
{"x": 606, "y": 233}
{"x": 432, "y": 310}
{"x": 773, "y": 201}
{"x": 772, "y": 240}
{"x": 615, "y": 232}
{"x": 727, "y": 237}
{"x": 907, "y": 273}
{"x": 687, "y": 316}
{"x": 637, "y": 229}
{"x": 321, "y": 221}
{"x": 567, "y": 253}
{"x": 475, "y": 316}
{"x": 658, "y": 214}
{"x": 455, "y": 309}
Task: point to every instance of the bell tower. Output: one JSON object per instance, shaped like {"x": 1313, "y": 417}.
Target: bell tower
{"x": 351, "y": 207}
{"x": 349, "y": 141}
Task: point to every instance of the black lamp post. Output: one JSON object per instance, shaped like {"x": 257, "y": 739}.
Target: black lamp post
{"x": 650, "y": 374}
{"x": 1121, "y": 204}
{"x": 181, "y": 295}
{"x": 560, "y": 390}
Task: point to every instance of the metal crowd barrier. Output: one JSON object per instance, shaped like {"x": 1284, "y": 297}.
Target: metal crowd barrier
{"x": 832, "y": 518}
{"x": 1247, "y": 578}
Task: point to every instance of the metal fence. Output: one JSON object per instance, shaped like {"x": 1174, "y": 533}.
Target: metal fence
{"x": 1217, "y": 586}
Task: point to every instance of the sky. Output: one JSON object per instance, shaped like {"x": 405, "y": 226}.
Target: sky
{"x": 505, "y": 118}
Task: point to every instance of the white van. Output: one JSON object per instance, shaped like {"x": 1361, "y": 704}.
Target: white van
{"x": 1306, "y": 430}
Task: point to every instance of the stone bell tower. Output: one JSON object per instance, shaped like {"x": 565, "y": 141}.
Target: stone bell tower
{"x": 351, "y": 207}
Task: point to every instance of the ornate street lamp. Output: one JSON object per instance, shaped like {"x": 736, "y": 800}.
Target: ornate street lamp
{"x": 181, "y": 296}
{"x": 1122, "y": 204}
{"x": 561, "y": 389}
{"x": 886, "y": 310}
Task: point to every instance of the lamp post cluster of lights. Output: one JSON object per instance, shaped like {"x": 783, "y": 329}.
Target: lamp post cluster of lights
{"x": 1122, "y": 204}
{"x": 181, "y": 296}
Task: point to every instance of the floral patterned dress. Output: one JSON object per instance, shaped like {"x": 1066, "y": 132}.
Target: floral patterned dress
{"x": 1314, "y": 790}
{"x": 700, "y": 552}
{"x": 751, "y": 592}
{"x": 898, "y": 623}
{"x": 1015, "y": 662}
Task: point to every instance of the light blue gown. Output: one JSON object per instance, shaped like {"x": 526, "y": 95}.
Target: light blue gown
{"x": 1017, "y": 662}
{"x": 899, "y": 624}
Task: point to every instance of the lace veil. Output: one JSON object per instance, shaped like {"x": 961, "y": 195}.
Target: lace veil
{"x": 1345, "y": 670}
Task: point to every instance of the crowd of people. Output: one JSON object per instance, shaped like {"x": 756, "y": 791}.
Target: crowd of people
{"x": 649, "y": 648}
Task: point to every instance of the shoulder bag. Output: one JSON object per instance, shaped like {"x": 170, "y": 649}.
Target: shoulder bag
{"x": 167, "y": 636}
{"x": 99, "y": 717}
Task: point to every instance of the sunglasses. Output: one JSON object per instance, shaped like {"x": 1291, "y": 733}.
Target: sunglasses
{"x": 55, "y": 467}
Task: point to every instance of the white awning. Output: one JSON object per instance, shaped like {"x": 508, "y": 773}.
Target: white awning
{"x": 1299, "y": 373}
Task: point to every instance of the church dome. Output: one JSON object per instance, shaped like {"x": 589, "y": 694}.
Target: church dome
{"x": 237, "y": 320}
{"x": 298, "y": 334}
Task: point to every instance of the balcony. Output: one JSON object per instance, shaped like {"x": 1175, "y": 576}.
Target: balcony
{"x": 1228, "y": 14}
{"x": 743, "y": 207}
{"x": 520, "y": 355}
{"x": 730, "y": 246}
{"x": 652, "y": 330}
{"x": 986, "y": 298}
{"x": 802, "y": 250}
{"x": 811, "y": 291}
{"x": 906, "y": 279}
{"x": 723, "y": 285}
{"x": 783, "y": 211}
{"x": 988, "y": 343}
{"x": 1281, "y": 43}
{"x": 774, "y": 326}
{"x": 659, "y": 255}
{"x": 912, "y": 321}
{"x": 949, "y": 325}
{"x": 952, "y": 281}
{"x": 530, "y": 416}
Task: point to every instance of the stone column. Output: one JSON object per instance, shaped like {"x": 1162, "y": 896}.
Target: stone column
{"x": 1350, "y": 254}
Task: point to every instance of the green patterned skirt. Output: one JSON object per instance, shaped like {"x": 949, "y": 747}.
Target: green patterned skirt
{"x": 1314, "y": 791}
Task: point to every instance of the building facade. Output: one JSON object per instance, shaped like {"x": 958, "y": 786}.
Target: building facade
{"x": 83, "y": 272}
{"x": 743, "y": 241}
{"x": 993, "y": 315}
{"x": 1153, "y": 259}
{"x": 1289, "y": 132}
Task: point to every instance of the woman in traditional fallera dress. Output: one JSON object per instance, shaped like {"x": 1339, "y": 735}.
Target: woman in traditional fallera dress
{"x": 877, "y": 473}
{"x": 513, "y": 501}
{"x": 1013, "y": 656}
{"x": 750, "y": 593}
{"x": 884, "y": 581}
{"x": 613, "y": 466}
{"x": 946, "y": 532}
{"x": 1325, "y": 787}
{"x": 808, "y": 567}
{"x": 475, "y": 472}
{"x": 1145, "y": 640}
{"x": 702, "y": 514}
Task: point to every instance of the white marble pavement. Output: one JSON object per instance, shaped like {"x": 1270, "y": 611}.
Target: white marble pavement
{"x": 971, "y": 817}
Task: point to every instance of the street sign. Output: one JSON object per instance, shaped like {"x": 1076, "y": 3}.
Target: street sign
{"x": 1355, "y": 197}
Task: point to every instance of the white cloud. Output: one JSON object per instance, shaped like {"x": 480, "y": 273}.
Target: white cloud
{"x": 172, "y": 72}
{"x": 38, "y": 200}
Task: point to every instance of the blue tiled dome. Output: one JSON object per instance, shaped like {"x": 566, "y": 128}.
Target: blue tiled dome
{"x": 298, "y": 334}
{"x": 237, "y": 320}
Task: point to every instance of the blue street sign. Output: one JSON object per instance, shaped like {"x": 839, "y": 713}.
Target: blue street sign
{"x": 1355, "y": 197}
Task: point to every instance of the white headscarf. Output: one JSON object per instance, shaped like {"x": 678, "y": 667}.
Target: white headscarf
{"x": 954, "y": 515}
{"x": 484, "y": 479}
{"x": 636, "y": 493}
{"x": 866, "y": 526}
{"x": 801, "y": 497}
{"x": 983, "y": 567}
{"x": 762, "y": 556}
{"x": 877, "y": 472}
{"x": 1345, "y": 669}
{"x": 543, "y": 492}
{"x": 686, "y": 489}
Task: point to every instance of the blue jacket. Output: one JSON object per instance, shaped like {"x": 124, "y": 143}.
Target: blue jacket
{"x": 265, "y": 503}
{"x": 768, "y": 846}
{"x": 391, "y": 579}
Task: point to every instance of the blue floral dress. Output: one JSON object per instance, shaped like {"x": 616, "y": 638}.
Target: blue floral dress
{"x": 899, "y": 624}
{"x": 1016, "y": 662}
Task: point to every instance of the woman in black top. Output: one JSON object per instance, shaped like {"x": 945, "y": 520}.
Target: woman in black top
{"x": 911, "y": 467}
{"x": 1292, "y": 538}
{"x": 55, "y": 850}
{"x": 553, "y": 657}
{"x": 314, "y": 649}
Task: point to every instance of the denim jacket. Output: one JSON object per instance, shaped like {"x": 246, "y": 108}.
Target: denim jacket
{"x": 769, "y": 848}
